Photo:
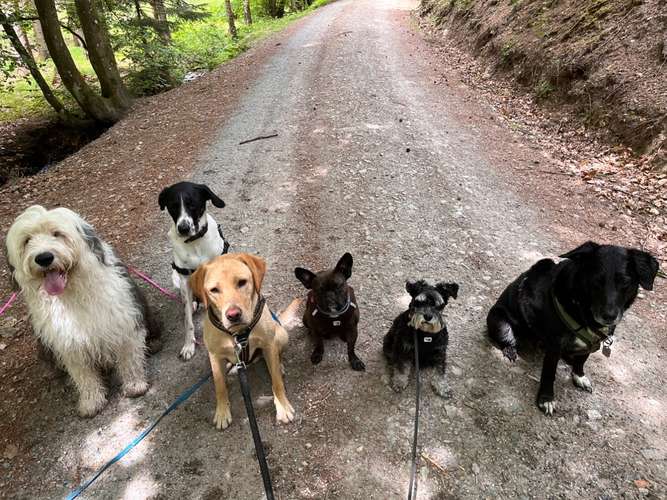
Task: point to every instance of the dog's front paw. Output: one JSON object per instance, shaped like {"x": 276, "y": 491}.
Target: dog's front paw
{"x": 187, "y": 352}
{"x": 357, "y": 364}
{"x": 582, "y": 382}
{"x": 284, "y": 413}
{"x": 546, "y": 404}
{"x": 510, "y": 353}
{"x": 316, "y": 357}
{"x": 399, "y": 382}
{"x": 222, "y": 418}
{"x": 92, "y": 404}
{"x": 135, "y": 389}
{"x": 441, "y": 388}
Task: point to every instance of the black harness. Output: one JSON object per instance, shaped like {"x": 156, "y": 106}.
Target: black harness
{"x": 241, "y": 338}
{"x": 187, "y": 272}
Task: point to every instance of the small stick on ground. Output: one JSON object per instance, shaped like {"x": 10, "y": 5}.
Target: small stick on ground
{"x": 258, "y": 138}
{"x": 433, "y": 463}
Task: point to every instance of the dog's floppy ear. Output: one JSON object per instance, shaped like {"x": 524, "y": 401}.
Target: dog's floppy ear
{"x": 415, "y": 287}
{"x": 584, "y": 250}
{"x": 645, "y": 265}
{"x": 197, "y": 280}
{"x": 92, "y": 240}
{"x": 257, "y": 267}
{"x": 304, "y": 276}
{"x": 447, "y": 290}
{"x": 210, "y": 195}
{"x": 344, "y": 265}
{"x": 162, "y": 198}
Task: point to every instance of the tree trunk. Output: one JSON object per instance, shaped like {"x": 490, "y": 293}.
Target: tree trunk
{"x": 98, "y": 108}
{"x": 247, "y": 16}
{"x": 101, "y": 53}
{"x": 39, "y": 44}
{"x": 29, "y": 62}
{"x": 230, "y": 19}
{"x": 160, "y": 15}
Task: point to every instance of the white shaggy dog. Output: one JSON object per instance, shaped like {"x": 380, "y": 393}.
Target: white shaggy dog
{"x": 83, "y": 306}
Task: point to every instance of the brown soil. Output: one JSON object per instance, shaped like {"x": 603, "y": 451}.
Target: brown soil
{"x": 603, "y": 61}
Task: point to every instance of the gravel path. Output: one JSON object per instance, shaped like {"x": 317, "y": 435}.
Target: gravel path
{"x": 373, "y": 158}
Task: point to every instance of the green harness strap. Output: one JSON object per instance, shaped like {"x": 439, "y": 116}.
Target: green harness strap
{"x": 589, "y": 336}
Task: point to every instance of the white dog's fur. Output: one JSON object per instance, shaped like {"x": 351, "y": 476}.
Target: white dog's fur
{"x": 191, "y": 256}
{"x": 97, "y": 320}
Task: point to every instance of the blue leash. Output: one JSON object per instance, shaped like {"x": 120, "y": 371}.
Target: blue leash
{"x": 180, "y": 399}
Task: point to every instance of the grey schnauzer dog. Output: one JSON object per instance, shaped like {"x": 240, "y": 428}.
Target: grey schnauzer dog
{"x": 424, "y": 316}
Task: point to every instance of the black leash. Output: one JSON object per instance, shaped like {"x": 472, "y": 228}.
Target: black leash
{"x": 259, "y": 447}
{"x": 412, "y": 491}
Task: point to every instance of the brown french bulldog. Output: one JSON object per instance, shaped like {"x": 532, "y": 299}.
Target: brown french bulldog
{"x": 331, "y": 309}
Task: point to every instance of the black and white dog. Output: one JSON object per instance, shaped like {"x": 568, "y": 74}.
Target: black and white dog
{"x": 572, "y": 308}
{"x": 425, "y": 317}
{"x": 196, "y": 238}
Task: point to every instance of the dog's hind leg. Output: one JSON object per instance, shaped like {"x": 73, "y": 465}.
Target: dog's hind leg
{"x": 92, "y": 393}
{"x": 188, "y": 349}
{"x": 500, "y": 331}
{"x": 131, "y": 369}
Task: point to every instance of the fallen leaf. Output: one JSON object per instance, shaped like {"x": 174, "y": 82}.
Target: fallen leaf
{"x": 642, "y": 483}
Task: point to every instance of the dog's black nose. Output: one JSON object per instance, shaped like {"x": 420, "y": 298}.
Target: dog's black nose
{"x": 608, "y": 316}
{"x": 233, "y": 314}
{"x": 44, "y": 259}
{"x": 183, "y": 228}
{"x": 428, "y": 317}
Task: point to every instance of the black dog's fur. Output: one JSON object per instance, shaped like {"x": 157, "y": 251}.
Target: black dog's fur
{"x": 595, "y": 285}
{"x": 425, "y": 317}
{"x": 329, "y": 292}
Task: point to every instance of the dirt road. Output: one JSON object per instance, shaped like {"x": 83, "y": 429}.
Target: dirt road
{"x": 415, "y": 179}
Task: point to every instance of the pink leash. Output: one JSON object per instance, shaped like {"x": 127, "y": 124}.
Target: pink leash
{"x": 150, "y": 281}
{"x": 8, "y": 304}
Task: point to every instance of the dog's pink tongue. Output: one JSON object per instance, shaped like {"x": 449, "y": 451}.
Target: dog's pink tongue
{"x": 54, "y": 283}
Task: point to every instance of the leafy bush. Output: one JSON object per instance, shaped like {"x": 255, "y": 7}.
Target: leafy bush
{"x": 205, "y": 44}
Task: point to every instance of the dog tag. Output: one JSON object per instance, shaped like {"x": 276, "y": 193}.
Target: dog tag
{"x": 336, "y": 323}
{"x": 428, "y": 339}
{"x": 606, "y": 350}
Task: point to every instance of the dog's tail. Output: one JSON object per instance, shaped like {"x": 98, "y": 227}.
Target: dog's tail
{"x": 289, "y": 318}
{"x": 500, "y": 331}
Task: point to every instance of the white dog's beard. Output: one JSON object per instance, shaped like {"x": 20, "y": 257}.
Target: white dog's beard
{"x": 55, "y": 282}
{"x": 418, "y": 323}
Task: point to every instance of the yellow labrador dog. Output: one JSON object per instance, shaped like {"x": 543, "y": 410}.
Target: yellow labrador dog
{"x": 229, "y": 288}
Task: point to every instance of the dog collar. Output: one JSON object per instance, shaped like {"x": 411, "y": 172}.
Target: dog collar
{"x": 187, "y": 272}
{"x": 335, "y": 314}
{"x": 590, "y": 336}
{"x": 241, "y": 343}
{"x": 198, "y": 235}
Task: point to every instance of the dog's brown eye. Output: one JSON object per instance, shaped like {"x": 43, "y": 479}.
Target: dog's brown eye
{"x": 57, "y": 234}
{"x": 242, "y": 283}
{"x": 27, "y": 240}
{"x": 214, "y": 290}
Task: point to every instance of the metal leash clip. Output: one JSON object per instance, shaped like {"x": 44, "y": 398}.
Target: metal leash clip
{"x": 238, "y": 350}
{"x": 606, "y": 346}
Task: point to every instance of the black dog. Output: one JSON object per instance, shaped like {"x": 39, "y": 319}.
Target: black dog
{"x": 572, "y": 308}
{"x": 331, "y": 309}
{"x": 425, "y": 317}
